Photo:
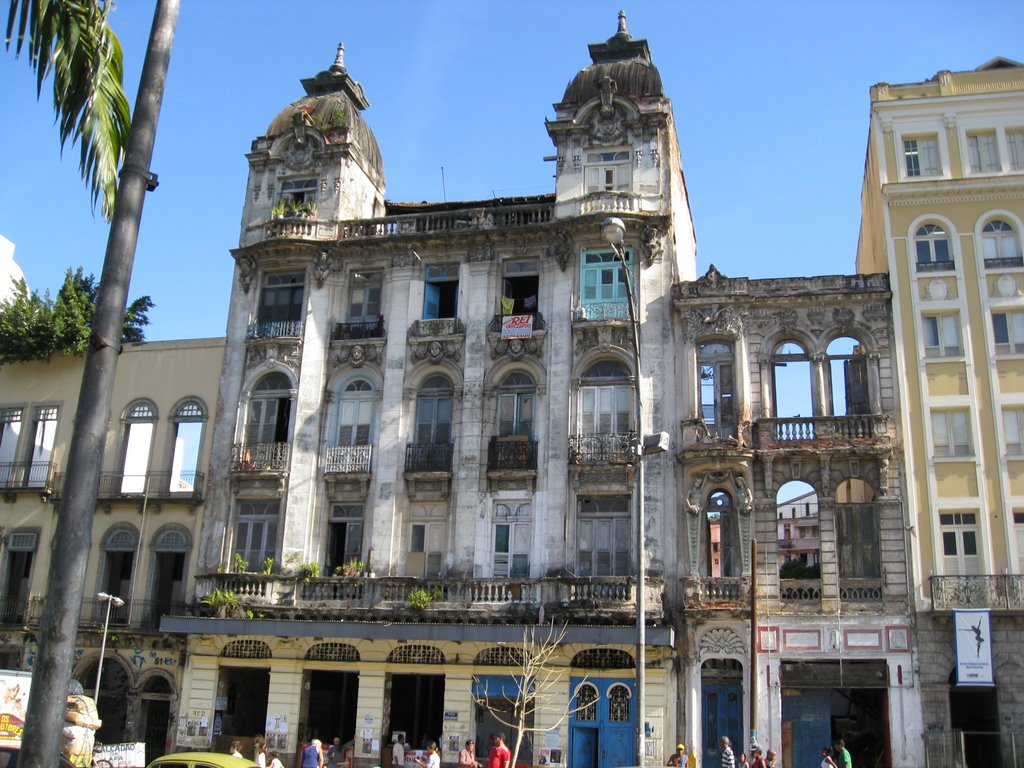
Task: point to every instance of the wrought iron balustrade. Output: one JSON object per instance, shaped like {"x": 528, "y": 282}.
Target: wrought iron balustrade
{"x": 511, "y": 454}
{"x": 274, "y": 329}
{"x": 368, "y": 329}
{"x": 995, "y": 592}
{"x": 25, "y": 475}
{"x": 429, "y": 457}
{"x": 258, "y": 457}
{"x": 1004, "y": 262}
{"x": 605, "y": 310}
{"x": 348, "y": 459}
{"x": 612, "y": 448}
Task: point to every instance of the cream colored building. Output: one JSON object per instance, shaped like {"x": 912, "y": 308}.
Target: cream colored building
{"x": 146, "y": 529}
{"x": 943, "y": 209}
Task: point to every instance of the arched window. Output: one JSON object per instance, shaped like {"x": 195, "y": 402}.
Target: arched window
{"x": 999, "y": 241}
{"x": 791, "y": 379}
{"x": 848, "y": 377}
{"x": 119, "y": 548}
{"x": 857, "y": 535}
{"x": 799, "y": 532}
{"x": 606, "y": 400}
{"x": 170, "y": 554}
{"x": 269, "y": 411}
{"x": 515, "y": 405}
{"x": 586, "y": 703}
{"x": 139, "y": 423}
{"x": 355, "y": 413}
{"x": 715, "y": 363}
{"x": 932, "y": 245}
{"x": 188, "y": 439}
{"x": 619, "y": 697}
{"x": 434, "y": 411}
{"x": 723, "y": 557}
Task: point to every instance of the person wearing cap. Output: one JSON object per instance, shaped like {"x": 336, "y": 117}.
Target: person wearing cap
{"x": 677, "y": 757}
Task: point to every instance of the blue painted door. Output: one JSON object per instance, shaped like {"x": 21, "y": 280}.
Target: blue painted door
{"x": 722, "y": 711}
{"x": 808, "y": 711}
{"x": 602, "y": 728}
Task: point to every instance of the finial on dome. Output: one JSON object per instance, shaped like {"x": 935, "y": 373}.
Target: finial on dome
{"x": 622, "y": 23}
{"x": 339, "y": 60}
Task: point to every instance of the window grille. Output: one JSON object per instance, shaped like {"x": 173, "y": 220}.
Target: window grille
{"x": 121, "y": 540}
{"x": 500, "y": 656}
{"x": 22, "y": 541}
{"x": 246, "y": 649}
{"x": 603, "y": 658}
{"x": 171, "y": 541}
{"x": 416, "y": 654}
{"x": 332, "y": 652}
{"x": 618, "y": 704}
{"x": 586, "y": 703}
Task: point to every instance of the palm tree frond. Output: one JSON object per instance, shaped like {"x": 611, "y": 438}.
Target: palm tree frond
{"x": 72, "y": 41}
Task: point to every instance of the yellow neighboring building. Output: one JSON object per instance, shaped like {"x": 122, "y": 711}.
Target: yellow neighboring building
{"x": 943, "y": 206}
{"x": 145, "y": 534}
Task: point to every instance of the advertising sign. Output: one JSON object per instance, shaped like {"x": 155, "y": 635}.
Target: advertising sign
{"x": 516, "y": 326}
{"x": 973, "y": 642}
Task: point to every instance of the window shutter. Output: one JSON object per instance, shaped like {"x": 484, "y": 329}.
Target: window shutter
{"x": 855, "y": 373}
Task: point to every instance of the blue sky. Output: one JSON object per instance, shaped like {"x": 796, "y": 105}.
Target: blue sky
{"x": 770, "y": 99}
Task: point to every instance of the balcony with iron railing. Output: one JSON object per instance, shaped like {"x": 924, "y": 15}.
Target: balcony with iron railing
{"x": 348, "y": 459}
{"x": 600, "y": 449}
{"x": 274, "y": 329}
{"x": 429, "y": 457}
{"x": 157, "y": 486}
{"x": 134, "y": 614}
{"x": 367, "y": 329}
{"x": 1004, "y": 262}
{"x": 605, "y": 599}
{"x": 600, "y": 311}
{"x": 993, "y": 592}
{"x": 798, "y": 431}
{"x": 511, "y": 454}
{"x": 26, "y": 476}
{"x": 260, "y": 457}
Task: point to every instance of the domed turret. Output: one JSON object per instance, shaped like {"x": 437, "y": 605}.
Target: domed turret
{"x": 318, "y": 158}
{"x": 625, "y": 60}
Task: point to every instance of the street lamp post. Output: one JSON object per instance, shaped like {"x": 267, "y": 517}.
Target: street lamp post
{"x": 614, "y": 231}
{"x": 111, "y": 602}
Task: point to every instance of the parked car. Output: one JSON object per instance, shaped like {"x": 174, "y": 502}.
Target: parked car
{"x": 201, "y": 760}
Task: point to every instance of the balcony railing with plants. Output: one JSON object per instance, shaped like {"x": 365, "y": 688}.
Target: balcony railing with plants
{"x": 612, "y": 448}
{"x": 274, "y": 329}
{"x": 348, "y": 459}
{"x": 609, "y": 597}
{"x": 260, "y": 457}
{"x": 367, "y": 329}
{"x": 511, "y": 453}
{"x": 25, "y": 475}
{"x": 995, "y": 592}
{"x": 429, "y": 457}
{"x": 800, "y": 429}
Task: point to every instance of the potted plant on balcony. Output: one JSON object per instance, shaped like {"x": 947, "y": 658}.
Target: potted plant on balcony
{"x": 280, "y": 209}
{"x": 421, "y": 599}
{"x": 223, "y": 603}
{"x": 353, "y": 567}
{"x": 309, "y": 571}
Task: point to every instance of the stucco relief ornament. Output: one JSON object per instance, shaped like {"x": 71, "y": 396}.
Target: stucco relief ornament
{"x": 404, "y": 259}
{"x": 357, "y": 356}
{"x": 246, "y": 272}
{"x": 321, "y": 268}
{"x": 650, "y": 245}
{"x": 516, "y": 349}
{"x": 480, "y": 253}
{"x": 561, "y": 249}
{"x": 299, "y": 153}
{"x": 608, "y": 125}
{"x": 744, "y": 496}
{"x": 1006, "y": 286}
{"x": 695, "y": 496}
{"x": 721, "y": 641}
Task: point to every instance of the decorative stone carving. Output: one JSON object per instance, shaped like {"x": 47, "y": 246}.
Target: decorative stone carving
{"x": 786, "y": 319}
{"x": 561, "y": 249}
{"x": 650, "y": 245}
{"x": 938, "y": 290}
{"x": 716, "y": 320}
{"x": 404, "y": 259}
{"x": 744, "y": 496}
{"x": 246, "y": 272}
{"x": 477, "y": 254}
{"x": 321, "y": 268}
{"x": 358, "y": 355}
{"x": 437, "y": 350}
{"x": 298, "y": 155}
{"x": 842, "y": 316}
{"x": 719, "y": 642}
{"x": 274, "y": 352}
{"x": 695, "y": 496}
{"x": 603, "y": 339}
{"x": 1006, "y": 286}
{"x": 516, "y": 349}
{"x": 608, "y": 124}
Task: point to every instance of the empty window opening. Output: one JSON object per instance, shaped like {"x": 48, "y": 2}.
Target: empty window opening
{"x": 441, "y": 291}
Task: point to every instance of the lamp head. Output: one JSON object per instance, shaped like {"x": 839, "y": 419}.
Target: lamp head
{"x": 614, "y": 230}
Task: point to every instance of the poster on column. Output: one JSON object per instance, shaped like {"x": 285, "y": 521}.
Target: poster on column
{"x": 973, "y": 643}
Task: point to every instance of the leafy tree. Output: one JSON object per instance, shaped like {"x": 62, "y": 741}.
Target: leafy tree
{"x": 33, "y": 327}
{"x": 72, "y": 40}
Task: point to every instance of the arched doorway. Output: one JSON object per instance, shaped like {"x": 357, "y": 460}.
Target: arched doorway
{"x": 156, "y": 698}
{"x": 112, "y": 705}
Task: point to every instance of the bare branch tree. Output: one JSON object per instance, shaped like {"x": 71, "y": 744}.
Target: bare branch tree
{"x": 540, "y": 684}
